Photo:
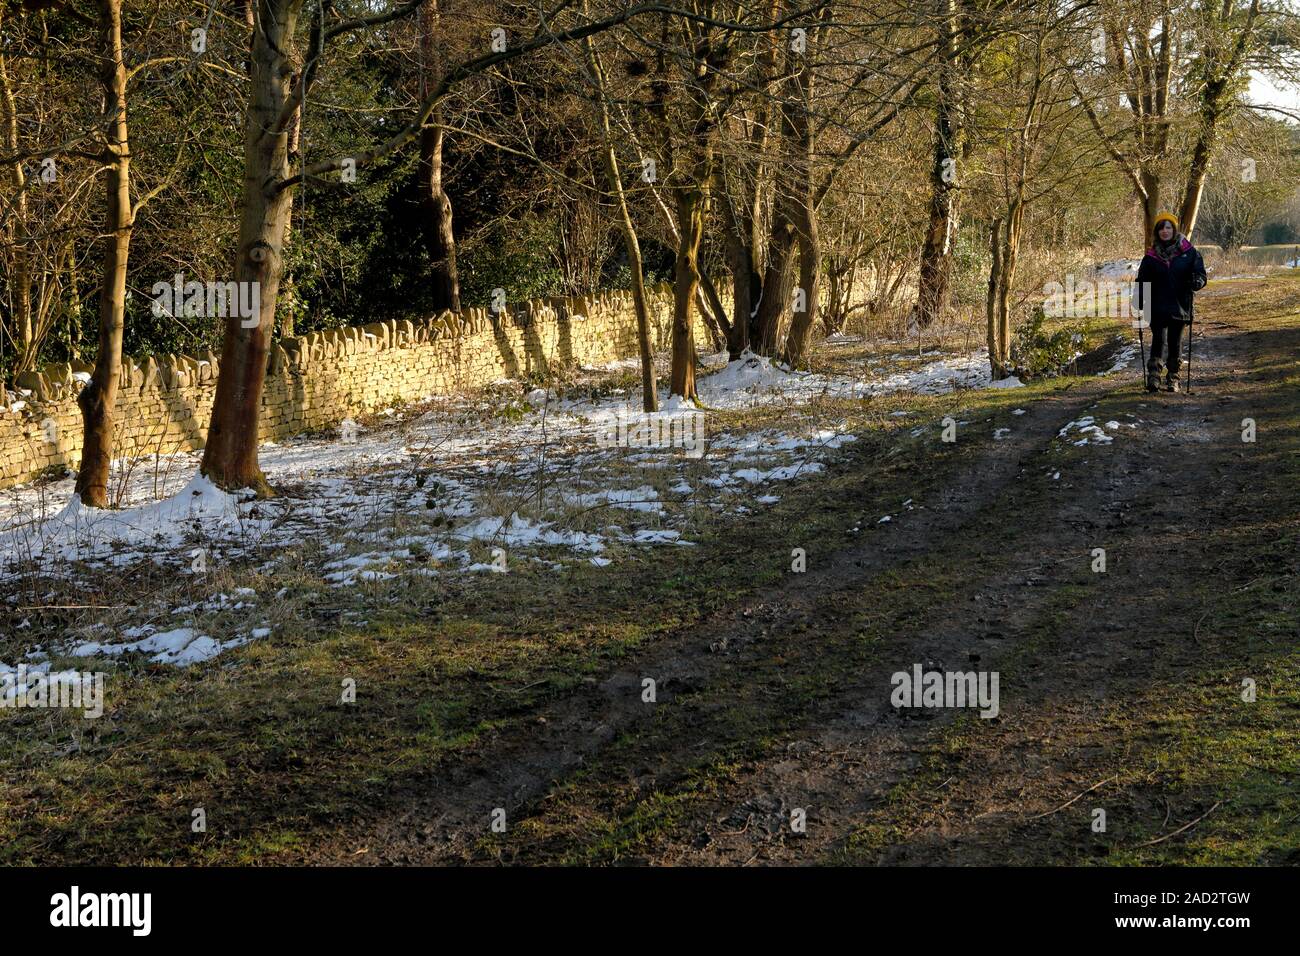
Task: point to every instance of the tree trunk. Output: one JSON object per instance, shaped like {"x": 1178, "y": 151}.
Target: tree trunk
{"x": 758, "y": 253}
{"x": 778, "y": 276}
{"x": 1196, "y": 175}
{"x": 441, "y": 241}
{"x": 991, "y": 300}
{"x": 99, "y": 399}
{"x": 1202, "y": 152}
{"x": 744, "y": 280}
{"x": 631, "y": 244}
{"x": 837, "y": 275}
{"x": 1213, "y": 103}
{"x": 1004, "y": 247}
{"x": 1010, "y": 257}
{"x": 790, "y": 211}
{"x": 20, "y": 280}
{"x": 933, "y": 288}
{"x": 230, "y": 456}
{"x": 649, "y": 393}
{"x": 1149, "y": 197}
{"x": 692, "y": 179}
{"x": 690, "y": 219}
{"x": 713, "y": 311}
{"x": 798, "y": 340}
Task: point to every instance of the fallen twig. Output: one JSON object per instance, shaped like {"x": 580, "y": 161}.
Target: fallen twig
{"x": 1185, "y": 826}
{"x": 74, "y": 607}
{"x": 1068, "y": 802}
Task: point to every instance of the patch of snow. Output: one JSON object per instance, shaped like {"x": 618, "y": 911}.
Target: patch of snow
{"x": 1123, "y": 359}
{"x": 1010, "y": 381}
{"x": 676, "y": 403}
{"x": 1088, "y": 432}
{"x": 1117, "y": 269}
{"x": 660, "y": 536}
{"x": 643, "y": 498}
{"x": 518, "y": 532}
{"x": 79, "y": 532}
{"x": 839, "y": 338}
{"x": 179, "y": 647}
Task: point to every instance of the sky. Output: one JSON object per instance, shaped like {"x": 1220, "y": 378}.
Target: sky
{"x": 1268, "y": 92}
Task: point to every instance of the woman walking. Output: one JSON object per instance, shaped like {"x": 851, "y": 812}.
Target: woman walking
{"x": 1171, "y": 271}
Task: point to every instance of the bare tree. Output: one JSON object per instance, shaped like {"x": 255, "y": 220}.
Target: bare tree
{"x": 949, "y": 145}
{"x": 433, "y": 195}
{"x": 1229, "y": 33}
{"x": 230, "y": 456}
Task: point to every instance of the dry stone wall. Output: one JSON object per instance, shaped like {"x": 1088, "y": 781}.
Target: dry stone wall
{"x": 319, "y": 379}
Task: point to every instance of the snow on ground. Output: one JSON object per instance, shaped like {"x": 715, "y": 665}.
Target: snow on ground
{"x": 1123, "y": 358}
{"x": 180, "y": 647}
{"x": 945, "y": 375}
{"x": 1086, "y": 431}
{"x": 1117, "y": 269}
{"x": 754, "y": 380}
{"x": 72, "y": 532}
{"x": 468, "y": 485}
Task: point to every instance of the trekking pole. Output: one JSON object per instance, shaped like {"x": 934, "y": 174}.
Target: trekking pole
{"x": 1191, "y": 320}
{"x": 1142, "y": 350}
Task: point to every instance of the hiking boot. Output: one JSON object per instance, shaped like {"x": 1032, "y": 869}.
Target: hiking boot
{"x": 1153, "y": 380}
{"x": 1171, "y": 381}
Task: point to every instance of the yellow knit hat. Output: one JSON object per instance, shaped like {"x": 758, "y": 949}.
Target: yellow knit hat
{"x": 1163, "y": 216}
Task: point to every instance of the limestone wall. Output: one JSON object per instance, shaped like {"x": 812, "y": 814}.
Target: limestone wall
{"x": 318, "y": 379}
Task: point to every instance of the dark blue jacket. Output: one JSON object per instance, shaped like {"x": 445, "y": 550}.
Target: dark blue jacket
{"x": 1170, "y": 284}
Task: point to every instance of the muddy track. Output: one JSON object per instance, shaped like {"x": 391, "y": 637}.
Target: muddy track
{"x": 1142, "y": 499}
{"x": 1133, "y": 628}
{"x": 843, "y": 759}
{"x": 448, "y": 811}
{"x": 1190, "y": 474}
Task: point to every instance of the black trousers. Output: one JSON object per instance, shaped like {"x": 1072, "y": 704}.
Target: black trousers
{"x": 1165, "y": 340}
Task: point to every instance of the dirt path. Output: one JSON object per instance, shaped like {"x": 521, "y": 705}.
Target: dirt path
{"x": 1142, "y": 500}
{"x": 783, "y": 703}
